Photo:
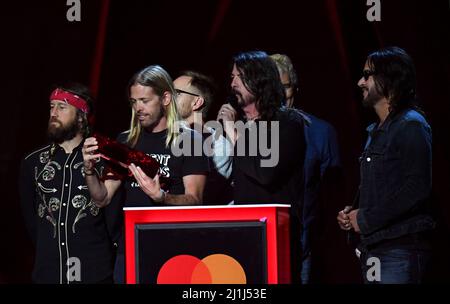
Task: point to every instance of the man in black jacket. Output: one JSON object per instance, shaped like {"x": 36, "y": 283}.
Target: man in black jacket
{"x": 270, "y": 150}
{"x": 392, "y": 216}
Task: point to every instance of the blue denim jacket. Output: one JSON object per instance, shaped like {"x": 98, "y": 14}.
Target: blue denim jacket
{"x": 395, "y": 186}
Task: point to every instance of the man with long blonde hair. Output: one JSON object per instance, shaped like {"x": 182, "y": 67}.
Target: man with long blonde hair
{"x": 154, "y": 129}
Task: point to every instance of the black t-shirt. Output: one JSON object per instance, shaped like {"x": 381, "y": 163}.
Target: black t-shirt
{"x": 172, "y": 167}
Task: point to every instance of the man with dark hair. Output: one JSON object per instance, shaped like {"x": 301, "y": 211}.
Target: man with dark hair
{"x": 392, "y": 215}
{"x": 195, "y": 94}
{"x": 321, "y": 169}
{"x": 69, "y": 231}
{"x": 271, "y": 176}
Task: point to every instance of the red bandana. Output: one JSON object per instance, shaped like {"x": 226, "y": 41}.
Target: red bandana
{"x": 71, "y": 99}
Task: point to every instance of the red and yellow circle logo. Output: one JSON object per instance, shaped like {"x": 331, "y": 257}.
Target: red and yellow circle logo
{"x": 213, "y": 269}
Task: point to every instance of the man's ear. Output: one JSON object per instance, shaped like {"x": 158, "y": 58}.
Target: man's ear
{"x": 166, "y": 98}
{"x": 198, "y": 103}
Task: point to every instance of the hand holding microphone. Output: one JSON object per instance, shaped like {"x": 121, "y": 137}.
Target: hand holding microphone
{"x": 227, "y": 116}
{"x": 228, "y": 111}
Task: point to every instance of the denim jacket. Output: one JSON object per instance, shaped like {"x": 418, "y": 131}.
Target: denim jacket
{"x": 395, "y": 186}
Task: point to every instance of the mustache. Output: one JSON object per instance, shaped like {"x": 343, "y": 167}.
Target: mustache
{"x": 54, "y": 120}
{"x": 234, "y": 92}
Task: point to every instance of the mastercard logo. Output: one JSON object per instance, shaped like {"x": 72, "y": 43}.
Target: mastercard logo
{"x": 213, "y": 269}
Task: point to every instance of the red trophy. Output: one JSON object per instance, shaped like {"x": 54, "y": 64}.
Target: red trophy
{"x": 119, "y": 156}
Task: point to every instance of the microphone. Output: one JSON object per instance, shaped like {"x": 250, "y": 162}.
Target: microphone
{"x": 233, "y": 101}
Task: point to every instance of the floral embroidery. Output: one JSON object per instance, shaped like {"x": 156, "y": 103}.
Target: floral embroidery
{"x": 94, "y": 210}
{"x": 44, "y": 206}
{"x": 44, "y": 157}
{"x": 81, "y": 214}
{"x": 41, "y": 210}
{"x": 54, "y": 204}
{"x": 48, "y": 174}
{"x": 78, "y": 201}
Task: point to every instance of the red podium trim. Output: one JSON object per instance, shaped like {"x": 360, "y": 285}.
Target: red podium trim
{"x": 276, "y": 217}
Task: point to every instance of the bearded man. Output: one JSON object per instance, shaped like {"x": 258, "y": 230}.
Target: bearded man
{"x": 70, "y": 233}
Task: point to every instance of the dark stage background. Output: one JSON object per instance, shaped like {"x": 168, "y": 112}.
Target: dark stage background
{"x": 328, "y": 41}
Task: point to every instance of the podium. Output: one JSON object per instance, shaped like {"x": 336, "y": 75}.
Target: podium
{"x": 231, "y": 244}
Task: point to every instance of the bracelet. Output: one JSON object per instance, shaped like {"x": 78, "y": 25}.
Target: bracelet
{"x": 163, "y": 197}
{"x": 89, "y": 172}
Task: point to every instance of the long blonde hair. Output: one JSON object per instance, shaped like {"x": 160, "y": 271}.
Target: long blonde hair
{"x": 159, "y": 80}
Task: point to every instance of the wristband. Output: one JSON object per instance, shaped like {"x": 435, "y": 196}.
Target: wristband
{"x": 163, "y": 197}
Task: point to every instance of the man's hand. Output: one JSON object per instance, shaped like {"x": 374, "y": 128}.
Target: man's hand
{"x": 227, "y": 114}
{"x": 90, "y": 146}
{"x": 353, "y": 222}
{"x": 344, "y": 219}
{"x": 150, "y": 186}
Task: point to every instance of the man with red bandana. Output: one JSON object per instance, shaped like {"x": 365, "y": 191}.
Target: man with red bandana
{"x": 72, "y": 241}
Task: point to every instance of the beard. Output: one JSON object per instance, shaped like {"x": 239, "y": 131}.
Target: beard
{"x": 242, "y": 101}
{"x": 153, "y": 118}
{"x": 239, "y": 99}
{"x": 58, "y": 133}
{"x": 372, "y": 98}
